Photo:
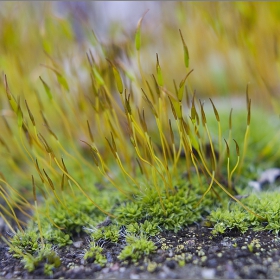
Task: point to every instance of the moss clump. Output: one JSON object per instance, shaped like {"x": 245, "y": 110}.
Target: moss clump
{"x": 57, "y": 237}
{"x": 109, "y": 233}
{"x": 46, "y": 257}
{"x": 233, "y": 216}
{"x": 25, "y": 242}
{"x": 94, "y": 254}
{"x": 179, "y": 209}
{"x": 136, "y": 248}
{"x": 148, "y": 228}
{"x": 24, "y": 246}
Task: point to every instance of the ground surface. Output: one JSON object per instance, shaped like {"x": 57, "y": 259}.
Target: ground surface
{"x": 233, "y": 255}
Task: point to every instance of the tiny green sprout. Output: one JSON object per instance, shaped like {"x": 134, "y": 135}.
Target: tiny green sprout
{"x": 47, "y": 88}
{"x": 251, "y": 247}
{"x": 186, "y": 51}
{"x": 228, "y": 160}
{"x": 19, "y": 116}
{"x": 94, "y": 254}
{"x": 159, "y": 72}
{"x": 14, "y": 105}
{"x": 230, "y": 128}
{"x": 98, "y": 76}
{"x": 245, "y": 143}
{"x": 138, "y": 32}
{"x": 236, "y": 165}
{"x": 182, "y": 87}
{"x": 219, "y": 131}
{"x": 204, "y": 122}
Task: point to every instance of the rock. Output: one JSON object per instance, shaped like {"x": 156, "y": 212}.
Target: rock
{"x": 160, "y": 259}
{"x": 75, "y": 272}
{"x": 212, "y": 263}
{"x": 230, "y": 272}
{"x": 226, "y": 242}
{"x": 208, "y": 273}
{"x": 171, "y": 264}
{"x": 133, "y": 275}
{"x": 78, "y": 244}
{"x": 167, "y": 273}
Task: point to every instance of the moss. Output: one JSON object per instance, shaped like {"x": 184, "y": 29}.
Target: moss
{"x": 45, "y": 256}
{"x": 136, "y": 248}
{"x": 149, "y": 228}
{"x": 152, "y": 266}
{"x": 109, "y": 233}
{"x": 56, "y": 236}
{"x": 124, "y": 145}
{"x": 172, "y": 211}
{"x": 38, "y": 256}
{"x": 265, "y": 204}
{"x": 94, "y": 254}
{"x": 129, "y": 212}
{"x": 25, "y": 242}
{"x": 78, "y": 213}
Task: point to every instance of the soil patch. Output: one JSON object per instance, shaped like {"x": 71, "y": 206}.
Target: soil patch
{"x": 190, "y": 253}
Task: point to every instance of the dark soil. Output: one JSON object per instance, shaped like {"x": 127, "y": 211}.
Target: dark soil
{"x": 190, "y": 253}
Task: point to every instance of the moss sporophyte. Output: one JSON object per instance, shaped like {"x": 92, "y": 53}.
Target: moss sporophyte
{"x": 124, "y": 160}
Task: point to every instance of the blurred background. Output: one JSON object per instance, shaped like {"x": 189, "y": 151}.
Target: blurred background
{"x": 230, "y": 44}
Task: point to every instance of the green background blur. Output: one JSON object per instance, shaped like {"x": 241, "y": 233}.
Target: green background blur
{"x": 230, "y": 43}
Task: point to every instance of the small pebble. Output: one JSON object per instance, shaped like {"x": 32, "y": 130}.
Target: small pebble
{"x": 9, "y": 275}
{"x": 208, "y": 273}
{"x": 96, "y": 267}
{"x": 170, "y": 254}
{"x": 212, "y": 262}
{"x": 226, "y": 242}
{"x": 167, "y": 273}
{"x": 171, "y": 264}
{"x": 160, "y": 259}
{"x": 115, "y": 267}
{"x": 230, "y": 273}
{"x": 105, "y": 270}
{"x": 78, "y": 244}
{"x": 17, "y": 272}
{"x": 122, "y": 269}
{"x": 134, "y": 276}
